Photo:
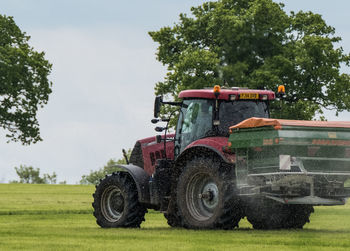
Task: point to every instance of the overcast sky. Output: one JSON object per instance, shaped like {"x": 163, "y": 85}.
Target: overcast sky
{"x": 104, "y": 72}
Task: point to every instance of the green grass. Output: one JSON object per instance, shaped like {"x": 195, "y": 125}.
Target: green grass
{"x": 50, "y": 217}
{"x": 44, "y": 199}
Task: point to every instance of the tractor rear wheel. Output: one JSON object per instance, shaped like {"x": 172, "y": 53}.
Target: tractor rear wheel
{"x": 172, "y": 214}
{"x": 116, "y": 202}
{"x": 268, "y": 214}
{"x": 173, "y": 219}
{"x": 206, "y": 197}
{"x": 299, "y": 215}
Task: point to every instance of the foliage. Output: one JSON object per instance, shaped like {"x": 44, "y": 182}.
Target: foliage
{"x": 95, "y": 176}
{"x": 24, "y": 84}
{"x": 28, "y": 174}
{"x": 256, "y": 44}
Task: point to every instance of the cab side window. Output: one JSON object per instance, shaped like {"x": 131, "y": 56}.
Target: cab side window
{"x": 194, "y": 122}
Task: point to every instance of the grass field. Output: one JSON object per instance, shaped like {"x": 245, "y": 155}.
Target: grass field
{"x": 59, "y": 217}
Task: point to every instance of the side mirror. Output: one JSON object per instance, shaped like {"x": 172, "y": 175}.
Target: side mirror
{"x": 159, "y": 129}
{"x": 157, "y": 105}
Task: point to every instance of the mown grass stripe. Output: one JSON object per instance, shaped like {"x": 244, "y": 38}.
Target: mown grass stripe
{"x": 45, "y": 212}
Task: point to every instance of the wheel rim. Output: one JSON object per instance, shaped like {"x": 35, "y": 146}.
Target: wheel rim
{"x": 112, "y": 204}
{"x": 202, "y": 196}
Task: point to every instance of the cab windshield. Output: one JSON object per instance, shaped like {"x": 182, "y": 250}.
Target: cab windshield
{"x": 232, "y": 113}
{"x": 196, "y": 119}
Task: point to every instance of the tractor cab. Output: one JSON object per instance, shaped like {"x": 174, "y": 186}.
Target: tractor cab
{"x": 210, "y": 112}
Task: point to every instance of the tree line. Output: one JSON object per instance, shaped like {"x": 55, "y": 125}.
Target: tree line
{"x": 94, "y": 177}
{"x": 30, "y": 175}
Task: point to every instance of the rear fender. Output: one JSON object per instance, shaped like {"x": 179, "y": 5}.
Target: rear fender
{"x": 206, "y": 146}
{"x": 141, "y": 179}
{"x": 200, "y": 150}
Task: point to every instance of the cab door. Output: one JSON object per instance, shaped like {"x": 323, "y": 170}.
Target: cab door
{"x": 195, "y": 122}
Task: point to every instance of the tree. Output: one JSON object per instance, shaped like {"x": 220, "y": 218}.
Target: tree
{"x": 50, "y": 179}
{"x": 27, "y": 174}
{"x": 95, "y": 176}
{"x": 24, "y": 84}
{"x": 256, "y": 44}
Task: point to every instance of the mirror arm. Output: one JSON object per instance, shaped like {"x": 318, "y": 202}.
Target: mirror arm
{"x": 172, "y": 103}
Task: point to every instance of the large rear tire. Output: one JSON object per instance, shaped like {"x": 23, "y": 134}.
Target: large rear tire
{"x": 172, "y": 214}
{"x": 173, "y": 219}
{"x": 116, "y": 202}
{"x": 268, "y": 214}
{"x": 206, "y": 197}
{"x": 299, "y": 215}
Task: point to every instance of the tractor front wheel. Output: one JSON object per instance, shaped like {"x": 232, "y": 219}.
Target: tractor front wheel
{"x": 116, "y": 202}
{"x": 206, "y": 197}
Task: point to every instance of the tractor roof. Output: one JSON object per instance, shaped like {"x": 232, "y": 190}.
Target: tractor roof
{"x": 229, "y": 94}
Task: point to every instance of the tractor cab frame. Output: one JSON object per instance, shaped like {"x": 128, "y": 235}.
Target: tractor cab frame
{"x": 210, "y": 113}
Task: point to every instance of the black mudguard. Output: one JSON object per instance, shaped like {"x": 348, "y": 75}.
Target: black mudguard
{"x": 141, "y": 179}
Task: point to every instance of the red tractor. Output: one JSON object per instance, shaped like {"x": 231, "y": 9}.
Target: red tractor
{"x": 185, "y": 175}
{"x": 200, "y": 179}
